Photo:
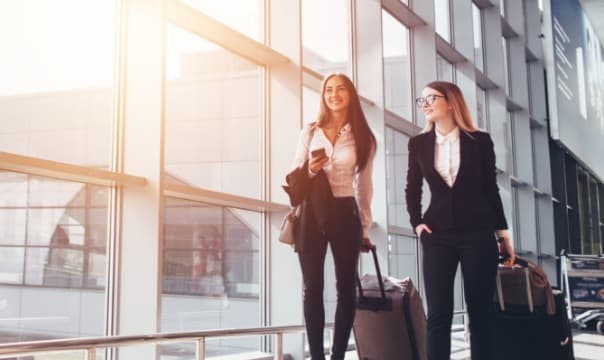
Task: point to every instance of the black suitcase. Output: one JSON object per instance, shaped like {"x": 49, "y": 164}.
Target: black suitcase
{"x": 523, "y": 329}
{"x": 391, "y": 324}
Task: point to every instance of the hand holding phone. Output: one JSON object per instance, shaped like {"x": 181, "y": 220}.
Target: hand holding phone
{"x": 318, "y": 153}
{"x": 317, "y": 160}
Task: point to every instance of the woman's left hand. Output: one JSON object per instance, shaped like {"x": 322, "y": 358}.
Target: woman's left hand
{"x": 506, "y": 248}
{"x": 366, "y": 245}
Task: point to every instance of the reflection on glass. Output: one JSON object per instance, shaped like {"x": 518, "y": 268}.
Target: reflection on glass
{"x": 397, "y": 158}
{"x": 326, "y": 36}
{"x": 245, "y": 16}
{"x": 397, "y": 67}
{"x": 478, "y": 54}
{"x": 52, "y": 257}
{"x": 444, "y": 69}
{"x": 481, "y": 101}
{"x": 502, "y": 7}
{"x": 441, "y": 19}
{"x": 213, "y": 116}
{"x": 211, "y": 270}
{"x": 57, "y": 71}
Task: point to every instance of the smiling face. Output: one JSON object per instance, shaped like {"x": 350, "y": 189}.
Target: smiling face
{"x": 439, "y": 109}
{"x": 336, "y": 95}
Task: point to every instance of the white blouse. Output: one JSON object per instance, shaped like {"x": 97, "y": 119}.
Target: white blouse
{"x": 341, "y": 167}
{"x": 446, "y": 155}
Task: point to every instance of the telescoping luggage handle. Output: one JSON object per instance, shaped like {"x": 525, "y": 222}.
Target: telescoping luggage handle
{"x": 382, "y": 303}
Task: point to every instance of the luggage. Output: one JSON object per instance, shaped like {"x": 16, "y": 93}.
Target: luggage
{"x": 390, "y": 322}
{"x": 523, "y": 326}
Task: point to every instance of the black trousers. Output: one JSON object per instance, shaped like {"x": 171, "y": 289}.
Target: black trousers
{"x": 477, "y": 252}
{"x": 343, "y": 234}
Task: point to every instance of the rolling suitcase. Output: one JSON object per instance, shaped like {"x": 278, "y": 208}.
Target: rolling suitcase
{"x": 390, "y": 322}
{"x": 523, "y": 326}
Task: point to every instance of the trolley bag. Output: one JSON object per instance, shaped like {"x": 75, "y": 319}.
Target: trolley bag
{"x": 390, "y": 322}
{"x": 524, "y": 327}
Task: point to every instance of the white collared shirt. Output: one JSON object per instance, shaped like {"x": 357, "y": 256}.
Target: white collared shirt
{"x": 446, "y": 155}
{"x": 341, "y": 167}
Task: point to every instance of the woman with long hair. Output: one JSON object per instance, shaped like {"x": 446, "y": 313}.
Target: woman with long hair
{"x": 341, "y": 146}
{"x": 463, "y": 220}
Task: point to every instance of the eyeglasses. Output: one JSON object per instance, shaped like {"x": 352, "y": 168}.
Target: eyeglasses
{"x": 428, "y": 100}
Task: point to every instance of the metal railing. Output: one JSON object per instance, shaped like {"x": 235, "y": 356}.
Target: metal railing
{"x": 91, "y": 344}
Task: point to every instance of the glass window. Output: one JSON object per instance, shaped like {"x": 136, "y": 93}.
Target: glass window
{"x": 478, "y": 53}
{"x": 57, "y": 70}
{"x": 442, "y": 19}
{"x": 326, "y": 36}
{"x": 52, "y": 257}
{"x": 444, "y": 69}
{"x": 311, "y": 100}
{"x": 506, "y": 65}
{"x": 397, "y": 158}
{"x": 211, "y": 270}
{"x": 397, "y": 66}
{"x": 482, "y": 120}
{"x": 245, "y": 16}
{"x": 403, "y": 257}
{"x": 213, "y": 116}
{"x": 510, "y": 119}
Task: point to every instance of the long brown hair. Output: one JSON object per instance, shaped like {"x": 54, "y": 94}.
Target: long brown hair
{"x": 459, "y": 108}
{"x": 364, "y": 139}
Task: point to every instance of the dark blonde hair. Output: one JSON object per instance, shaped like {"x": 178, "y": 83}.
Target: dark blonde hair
{"x": 363, "y": 137}
{"x": 459, "y": 108}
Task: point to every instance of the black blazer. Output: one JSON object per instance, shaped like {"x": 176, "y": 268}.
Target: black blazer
{"x": 473, "y": 203}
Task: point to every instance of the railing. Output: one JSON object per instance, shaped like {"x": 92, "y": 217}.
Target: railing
{"x": 91, "y": 344}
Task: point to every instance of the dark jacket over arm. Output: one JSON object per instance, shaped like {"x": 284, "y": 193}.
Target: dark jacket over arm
{"x": 314, "y": 196}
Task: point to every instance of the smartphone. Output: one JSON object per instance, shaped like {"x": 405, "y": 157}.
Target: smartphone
{"x": 318, "y": 153}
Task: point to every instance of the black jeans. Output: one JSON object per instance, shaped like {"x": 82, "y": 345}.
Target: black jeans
{"x": 478, "y": 253}
{"x": 343, "y": 233}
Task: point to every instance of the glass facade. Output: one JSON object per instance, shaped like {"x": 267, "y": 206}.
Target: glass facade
{"x": 213, "y": 116}
{"x": 397, "y": 67}
{"x": 57, "y": 88}
{"x": 482, "y": 119}
{"x": 326, "y": 36}
{"x": 442, "y": 19}
{"x": 143, "y": 153}
{"x": 444, "y": 69}
{"x": 478, "y": 47}
{"x": 397, "y": 158}
{"x": 52, "y": 257}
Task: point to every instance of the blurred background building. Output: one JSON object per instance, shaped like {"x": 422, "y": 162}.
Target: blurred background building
{"x": 143, "y": 145}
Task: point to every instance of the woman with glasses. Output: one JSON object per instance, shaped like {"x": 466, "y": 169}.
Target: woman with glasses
{"x": 463, "y": 220}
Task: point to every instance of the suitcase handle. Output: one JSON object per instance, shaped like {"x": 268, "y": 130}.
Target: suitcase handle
{"x": 375, "y": 304}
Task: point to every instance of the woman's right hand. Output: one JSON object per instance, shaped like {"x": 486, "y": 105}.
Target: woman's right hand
{"x": 421, "y": 228}
{"x": 316, "y": 163}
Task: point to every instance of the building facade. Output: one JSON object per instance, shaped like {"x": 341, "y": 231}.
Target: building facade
{"x": 144, "y": 144}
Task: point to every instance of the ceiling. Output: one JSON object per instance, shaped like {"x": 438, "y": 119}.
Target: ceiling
{"x": 594, "y": 9}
